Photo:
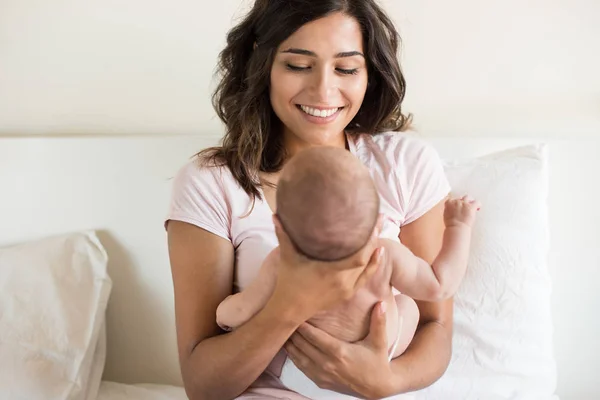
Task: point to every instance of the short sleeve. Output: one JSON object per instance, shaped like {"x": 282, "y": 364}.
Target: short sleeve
{"x": 198, "y": 198}
{"x": 422, "y": 171}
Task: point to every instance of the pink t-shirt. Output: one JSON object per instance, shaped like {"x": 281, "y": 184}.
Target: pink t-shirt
{"x": 407, "y": 171}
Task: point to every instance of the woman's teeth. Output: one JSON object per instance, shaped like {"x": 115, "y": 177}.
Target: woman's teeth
{"x": 319, "y": 113}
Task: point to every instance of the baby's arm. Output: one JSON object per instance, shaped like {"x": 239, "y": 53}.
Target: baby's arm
{"x": 421, "y": 281}
{"x": 238, "y": 308}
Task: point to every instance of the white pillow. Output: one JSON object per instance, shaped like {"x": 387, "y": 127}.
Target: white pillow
{"x": 94, "y": 363}
{"x": 53, "y": 296}
{"x": 502, "y": 347}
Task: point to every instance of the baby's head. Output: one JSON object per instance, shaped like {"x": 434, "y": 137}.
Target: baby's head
{"x": 327, "y": 203}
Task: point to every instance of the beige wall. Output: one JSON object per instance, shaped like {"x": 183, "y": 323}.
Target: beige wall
{"x": 485, "y": 68}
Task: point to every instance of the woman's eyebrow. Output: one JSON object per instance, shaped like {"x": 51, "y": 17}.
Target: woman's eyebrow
{"x": 309, "y": 53}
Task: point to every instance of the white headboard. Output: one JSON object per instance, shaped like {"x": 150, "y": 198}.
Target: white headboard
{"x": 120, "y": 186}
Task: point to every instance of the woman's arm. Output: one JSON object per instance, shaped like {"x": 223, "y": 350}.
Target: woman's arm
{"x": 215, "y": 365}
{"x": 221, "y": 366}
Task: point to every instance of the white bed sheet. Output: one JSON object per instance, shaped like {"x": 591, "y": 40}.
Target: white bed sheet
{"x": 120, "y": 391}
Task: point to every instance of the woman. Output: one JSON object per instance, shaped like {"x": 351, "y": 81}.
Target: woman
{"x": 300, "y": 73}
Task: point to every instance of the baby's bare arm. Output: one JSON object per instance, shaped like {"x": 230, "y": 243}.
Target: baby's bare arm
{"x": 410, "y": 274}
{"x": 440, "y": 280}
{"x": 238, "y": 308}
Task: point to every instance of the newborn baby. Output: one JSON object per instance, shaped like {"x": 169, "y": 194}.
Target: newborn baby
{"x": 328, "y": 205}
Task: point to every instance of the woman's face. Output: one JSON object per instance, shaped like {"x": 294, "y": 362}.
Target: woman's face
{"x": 318, "y": 81}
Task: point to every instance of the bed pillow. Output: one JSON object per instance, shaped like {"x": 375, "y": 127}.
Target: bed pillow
{"x": 53, "y": 296}
{"x": 502, "y": 346}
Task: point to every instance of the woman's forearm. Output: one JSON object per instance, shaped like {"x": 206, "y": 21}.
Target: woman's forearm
{"x": 223, "y": 366}
{"x": 425, "y": 360}
{"x": 428, "y": 355}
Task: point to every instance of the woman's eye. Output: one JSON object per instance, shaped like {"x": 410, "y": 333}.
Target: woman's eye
{"x": 343, "y": 71}
{"x": 296, "y": 68}
{"x": 348, "y": 71}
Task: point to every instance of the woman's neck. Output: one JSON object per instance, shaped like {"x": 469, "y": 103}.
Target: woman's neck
{"x": 293, "y": 144}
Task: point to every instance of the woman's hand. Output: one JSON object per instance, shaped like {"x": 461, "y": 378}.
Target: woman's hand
{"x": 359, "y": 369}
{"x": 309, "y": 286}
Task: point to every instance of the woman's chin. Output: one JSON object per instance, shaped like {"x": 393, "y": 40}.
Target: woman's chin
{"x": 309, "y": 136}
{"x": 323, "y": 137}
{"x": 336, "y": 140}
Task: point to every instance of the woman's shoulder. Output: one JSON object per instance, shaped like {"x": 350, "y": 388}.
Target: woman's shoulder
{"x": 401, "y": 149}
{"x": 202, "y": 194}
{"x": 202, "y": 172}
{"x": 410, "y": 167}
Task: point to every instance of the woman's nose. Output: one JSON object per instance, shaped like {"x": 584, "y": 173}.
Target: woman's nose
{"x": 323, "y": 84}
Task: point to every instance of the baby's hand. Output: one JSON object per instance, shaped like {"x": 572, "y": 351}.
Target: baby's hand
{"x": 461, "y": 211}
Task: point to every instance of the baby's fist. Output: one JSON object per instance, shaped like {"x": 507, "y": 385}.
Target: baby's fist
{"x": 461, "y": 211}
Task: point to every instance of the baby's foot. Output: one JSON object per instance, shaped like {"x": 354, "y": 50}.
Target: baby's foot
{"x": 461, "y": 211}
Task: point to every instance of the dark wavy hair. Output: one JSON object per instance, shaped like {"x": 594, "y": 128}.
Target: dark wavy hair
{"x": 253, "y": 140}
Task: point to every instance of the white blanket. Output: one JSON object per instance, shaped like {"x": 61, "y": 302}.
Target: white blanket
{"x": 120, "y": 391}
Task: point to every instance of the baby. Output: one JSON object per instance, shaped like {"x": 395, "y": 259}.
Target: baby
{"x": 328, "y": 205}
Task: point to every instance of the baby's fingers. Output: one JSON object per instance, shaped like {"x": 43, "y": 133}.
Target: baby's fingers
{"x": 471, "y": 201}
{"x": 475, "y": 204}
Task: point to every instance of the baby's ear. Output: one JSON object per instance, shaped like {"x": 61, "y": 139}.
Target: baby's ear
{"x": 279, "y": 231}
{"x": 286, "y": 247}
{"x": 276, "y": 222}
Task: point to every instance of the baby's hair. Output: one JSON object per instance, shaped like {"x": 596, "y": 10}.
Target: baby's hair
{"x": 327, "y": 203}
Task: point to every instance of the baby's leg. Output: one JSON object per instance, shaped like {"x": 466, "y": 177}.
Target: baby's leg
{"x": 408, "y": 319}
{"x": 238, "y": 308}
